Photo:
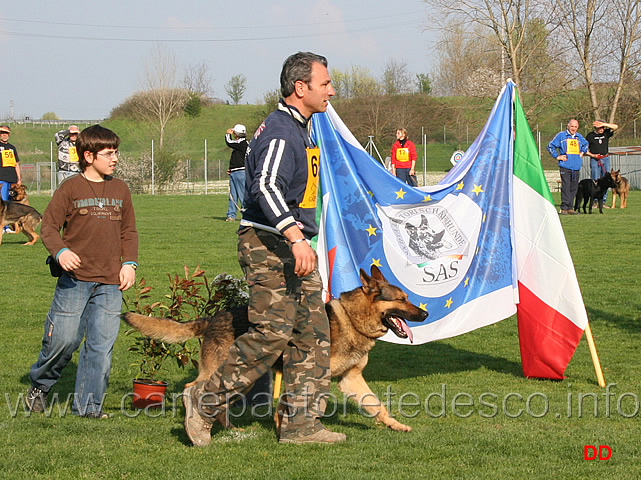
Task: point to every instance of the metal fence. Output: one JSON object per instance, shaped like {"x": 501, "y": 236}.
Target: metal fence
{"x": 203, "y": 176}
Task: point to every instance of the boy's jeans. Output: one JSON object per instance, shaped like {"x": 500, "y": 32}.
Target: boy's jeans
{"x": 236, "y": 192}
{"x": 80, "y": 309}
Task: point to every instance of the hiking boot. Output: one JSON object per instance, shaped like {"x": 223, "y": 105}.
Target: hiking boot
{"x": 197, "y": 428}
{"x": 572, "y": 212}
{"x": 322, "y": 436}
{"x": 36, "y": 400}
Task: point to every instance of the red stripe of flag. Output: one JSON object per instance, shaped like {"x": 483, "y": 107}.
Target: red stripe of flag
{"x": 547, "y": 338}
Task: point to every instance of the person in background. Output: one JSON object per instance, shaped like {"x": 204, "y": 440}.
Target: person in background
{"x": 404, "y": 158}
{"x": 568, "y": 147}
{"x": 235, "y": 138}
{"x": 9, "y": 169}
{"x": 598, "y": 150}
{"x": 67, "y": 154}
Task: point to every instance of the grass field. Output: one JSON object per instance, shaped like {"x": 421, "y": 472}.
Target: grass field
{"x": 473, "y": 414}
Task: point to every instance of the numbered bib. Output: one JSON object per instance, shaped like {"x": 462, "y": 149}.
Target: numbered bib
{"x": 8, "y": 158}
{"x": 313, "y": 166}
{"x": 73, "y": 155}
{"x": 573, "y": 146}
{"x": 402, "y": 155}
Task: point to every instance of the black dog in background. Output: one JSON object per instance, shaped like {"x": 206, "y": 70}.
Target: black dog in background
{"x": 592, "y": 191}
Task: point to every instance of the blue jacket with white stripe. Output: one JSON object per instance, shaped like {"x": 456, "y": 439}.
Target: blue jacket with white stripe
{"x": 281, "y": 178}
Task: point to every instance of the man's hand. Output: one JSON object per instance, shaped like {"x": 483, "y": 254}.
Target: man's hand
{"x": 304, "y": 254}
{"x": 305, "y": 258}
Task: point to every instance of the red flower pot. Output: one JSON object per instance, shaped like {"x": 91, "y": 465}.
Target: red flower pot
{"x": 148, "y": 393}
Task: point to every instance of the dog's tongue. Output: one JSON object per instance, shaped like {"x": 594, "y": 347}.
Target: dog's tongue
{"x": 408, "y": 331}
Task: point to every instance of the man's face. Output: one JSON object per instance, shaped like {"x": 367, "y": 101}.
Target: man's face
{"x": 318, "y": 91}
{"x": 573, "y": 126}
{"x": 4, "y": 136}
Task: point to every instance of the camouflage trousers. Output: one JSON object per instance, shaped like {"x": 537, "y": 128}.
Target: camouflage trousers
{"x": 287, "y": 316}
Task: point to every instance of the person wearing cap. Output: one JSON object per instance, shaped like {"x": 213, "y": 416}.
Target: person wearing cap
{"x": 10, "y": 168}
{"x": 598, "y": 150}
{"x": 67, "y": 156}
{"x": 235, "y": 138}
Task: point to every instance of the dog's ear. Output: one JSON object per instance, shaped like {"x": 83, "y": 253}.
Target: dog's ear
{"x": 377, "y": 274}
{"x": 370, "y": 285}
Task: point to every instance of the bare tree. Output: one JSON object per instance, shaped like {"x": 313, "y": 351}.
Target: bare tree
{"x": 468, "y": 62}
{"x": 605, "y": 37}
{"x": 579, "y": 22}
{"x": 236, "y": 87}
{"x": 626, "y": 23}
{"x": 198, "y": 80}
{"x": 507, "y": 20}
{"x": 162, "y": 99}
{"x": 396, "y": 78}
{"x": 354, "y": 83}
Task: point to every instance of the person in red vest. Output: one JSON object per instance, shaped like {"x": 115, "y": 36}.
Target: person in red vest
{"x": 404, "y": 158}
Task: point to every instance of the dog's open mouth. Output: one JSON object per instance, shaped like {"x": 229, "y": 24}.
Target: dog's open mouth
{"x": 399, "y": 327}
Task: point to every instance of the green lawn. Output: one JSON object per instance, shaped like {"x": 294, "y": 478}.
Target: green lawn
{"x": 473, "y": 414}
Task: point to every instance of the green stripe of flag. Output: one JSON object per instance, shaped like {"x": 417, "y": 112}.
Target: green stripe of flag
{"x": 527, "y": 165}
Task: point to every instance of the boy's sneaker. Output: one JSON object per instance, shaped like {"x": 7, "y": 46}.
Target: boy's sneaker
{"x": 36, "y": 400}
{"x": 7, "y": 229}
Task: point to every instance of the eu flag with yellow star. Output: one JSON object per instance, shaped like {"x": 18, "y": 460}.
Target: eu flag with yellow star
{"x": 483, "y": 244}
{"x": 449, "y": 246}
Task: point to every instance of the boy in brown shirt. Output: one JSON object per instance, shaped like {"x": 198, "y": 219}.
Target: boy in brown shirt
{"x": 97, "y": 252}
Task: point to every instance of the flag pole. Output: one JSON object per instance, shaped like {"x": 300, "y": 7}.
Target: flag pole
{"x": 278, "y": 382}
{"x": 595, "y": 356}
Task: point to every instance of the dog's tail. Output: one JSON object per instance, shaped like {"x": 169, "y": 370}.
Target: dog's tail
{"x": 165, "y": 329}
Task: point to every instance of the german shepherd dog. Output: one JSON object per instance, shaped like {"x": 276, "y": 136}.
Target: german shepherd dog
{"x": 18, "y": 193}
{"x": 356, "y": 320}
{"x": 592, "y": 191}
{"x": 622, "y": 188}
{"x": 24, "y": 215}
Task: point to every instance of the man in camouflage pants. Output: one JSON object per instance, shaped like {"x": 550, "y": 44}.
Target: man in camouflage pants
{"x": 286, "y": 312}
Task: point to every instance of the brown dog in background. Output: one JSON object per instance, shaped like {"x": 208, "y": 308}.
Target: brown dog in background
{"x": 356, "y": 320}
{"x": 622, "y": 188}
{"x": 18, "y": 193}
{"x": 14, "y": 213}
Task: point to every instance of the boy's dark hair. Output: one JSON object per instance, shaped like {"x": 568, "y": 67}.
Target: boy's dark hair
{"x": 298, "y": 67}
{"x": 93, "y": 139}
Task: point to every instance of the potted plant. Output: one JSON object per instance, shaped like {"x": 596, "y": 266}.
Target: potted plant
{"x": 186, "y": 301}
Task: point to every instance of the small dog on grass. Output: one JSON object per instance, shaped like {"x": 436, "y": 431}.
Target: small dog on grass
{"x": 622, "y": 188}
{"x": 591, "y": 191}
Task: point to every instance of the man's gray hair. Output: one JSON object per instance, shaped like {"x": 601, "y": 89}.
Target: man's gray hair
{"x": 298, "y": 67}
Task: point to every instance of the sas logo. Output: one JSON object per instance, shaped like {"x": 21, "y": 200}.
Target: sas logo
{"x": 431, "y": 246}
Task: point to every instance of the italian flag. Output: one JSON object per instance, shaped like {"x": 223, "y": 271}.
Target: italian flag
{"x": 551, "y": 314}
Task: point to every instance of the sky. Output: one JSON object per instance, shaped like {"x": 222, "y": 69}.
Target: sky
{"x": 82, "y": 59}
